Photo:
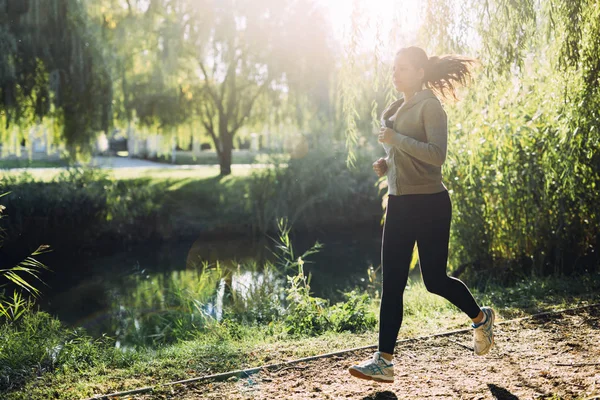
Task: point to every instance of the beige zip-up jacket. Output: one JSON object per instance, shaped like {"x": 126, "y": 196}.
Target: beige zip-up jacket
{"x": 418, "y": 149}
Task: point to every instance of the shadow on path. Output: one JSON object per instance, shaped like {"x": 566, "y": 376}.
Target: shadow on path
{"x": 500, "y": 393}
{"x": 387, "y": 395}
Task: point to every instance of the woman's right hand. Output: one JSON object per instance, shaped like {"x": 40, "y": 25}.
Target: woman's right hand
{"x": 380, "y": 167}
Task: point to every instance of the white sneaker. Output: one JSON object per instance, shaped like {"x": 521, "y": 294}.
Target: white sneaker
{"x": 483, "y": 335}
{"x": 377, "y": 369}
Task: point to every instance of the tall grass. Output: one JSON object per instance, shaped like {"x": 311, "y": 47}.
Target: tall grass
{"x": 39, "y": 344}
{"x": 18, "y": 276}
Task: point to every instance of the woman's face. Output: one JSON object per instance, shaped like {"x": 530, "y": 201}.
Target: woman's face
{"x": 405, "y": 76}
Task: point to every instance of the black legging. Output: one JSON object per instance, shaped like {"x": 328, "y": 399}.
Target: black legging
{"x": 424, "y": 218}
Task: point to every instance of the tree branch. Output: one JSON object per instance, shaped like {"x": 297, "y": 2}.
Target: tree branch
{"x": 210, "y": 128}
{"x": 210, "y": 91}
{"x": 230, "y": 72}
{"x": 233, "y": 90}
{"x": 250, "y": 104}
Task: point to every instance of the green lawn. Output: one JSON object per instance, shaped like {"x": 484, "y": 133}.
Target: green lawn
{"x": 10, "y": 164}
{"x": 203, "y": 172}
{"x": 208, "y": 157}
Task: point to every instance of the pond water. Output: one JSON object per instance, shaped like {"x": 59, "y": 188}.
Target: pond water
{"x": 95, "y": 290}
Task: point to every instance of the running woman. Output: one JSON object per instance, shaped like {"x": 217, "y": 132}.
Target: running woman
{"x": 414, "y": 135}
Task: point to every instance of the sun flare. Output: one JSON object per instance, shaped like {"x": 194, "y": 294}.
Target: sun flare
{"x": 393, "y": 22}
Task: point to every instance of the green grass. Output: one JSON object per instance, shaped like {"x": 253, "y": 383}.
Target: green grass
{"x": 152, "y": 173}
{"x": 17, "y": 163}
{"x": 208, "y": 157}
{"x": 205, "y": 201}
{"x": 205, "y": 172}
{"x": 232, "y": 346}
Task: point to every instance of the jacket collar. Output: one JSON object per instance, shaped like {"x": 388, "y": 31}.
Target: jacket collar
{"x": 418, "y": 97}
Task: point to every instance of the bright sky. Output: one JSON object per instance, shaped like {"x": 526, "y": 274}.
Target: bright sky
{"x": 396, "y": 20}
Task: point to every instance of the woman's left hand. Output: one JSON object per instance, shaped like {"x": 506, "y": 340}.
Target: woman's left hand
{"x": 385, "y": 135}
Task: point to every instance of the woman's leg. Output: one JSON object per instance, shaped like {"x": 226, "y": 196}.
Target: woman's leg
{"x": 396, "y": 252}
{"x": 432, "y": 240}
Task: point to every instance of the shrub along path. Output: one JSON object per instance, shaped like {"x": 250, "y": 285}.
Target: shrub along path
{"x": 551, "y": 356}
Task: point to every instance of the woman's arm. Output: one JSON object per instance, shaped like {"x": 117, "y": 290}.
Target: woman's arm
{"x": 436, "y": 129}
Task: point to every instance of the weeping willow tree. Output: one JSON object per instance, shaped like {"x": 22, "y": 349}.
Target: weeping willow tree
{"x": 525, "y": 162}
{"x": 153, "y": 95}
{"x": 193, "y": 69}
{"x": 252, "y": 56}
{"x": 51, "y": 67}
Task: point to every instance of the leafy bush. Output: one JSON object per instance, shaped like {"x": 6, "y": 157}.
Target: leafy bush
{"x": 354, "y": 315}
{"x": 316, "y": 190}
{"x": 305, "y": 314}
{"x": 81, "y": 204}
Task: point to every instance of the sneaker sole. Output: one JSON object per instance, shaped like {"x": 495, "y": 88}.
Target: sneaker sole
{"x": 491, "y": 344}
{"x": 360, "y": 375}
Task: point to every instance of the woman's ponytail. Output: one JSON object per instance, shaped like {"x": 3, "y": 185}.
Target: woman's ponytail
{"x": 441, "y": 72}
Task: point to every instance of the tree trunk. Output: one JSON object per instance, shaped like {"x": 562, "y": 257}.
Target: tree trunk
{"x": 225, "y": 157}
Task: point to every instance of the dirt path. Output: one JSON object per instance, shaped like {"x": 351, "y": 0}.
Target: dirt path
{"x": 535, "y": 358}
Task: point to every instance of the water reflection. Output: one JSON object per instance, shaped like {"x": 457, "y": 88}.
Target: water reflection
{"x": 160, "y": 308}
{"x": 145, "y": 294}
